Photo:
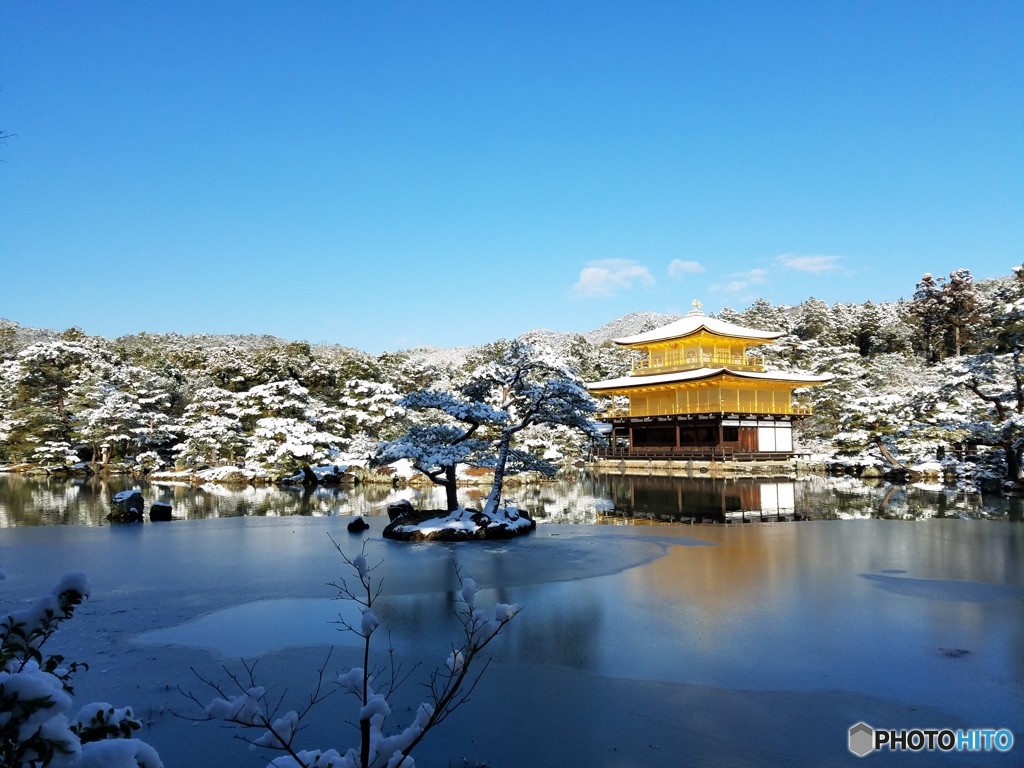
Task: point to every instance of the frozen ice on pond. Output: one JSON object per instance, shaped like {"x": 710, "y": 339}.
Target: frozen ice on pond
{"x": 261, "y": 627}
{"x": 943, "y": 589}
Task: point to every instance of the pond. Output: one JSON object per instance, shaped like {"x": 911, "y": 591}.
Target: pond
{"x": 591, "y": 498}
{"x": 753, "y": 641}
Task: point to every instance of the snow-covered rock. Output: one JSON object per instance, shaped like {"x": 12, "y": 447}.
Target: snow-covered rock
{"x": 127, "y": 506}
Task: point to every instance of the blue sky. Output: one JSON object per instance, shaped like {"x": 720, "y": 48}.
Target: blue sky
{"x": 384, "y": 175}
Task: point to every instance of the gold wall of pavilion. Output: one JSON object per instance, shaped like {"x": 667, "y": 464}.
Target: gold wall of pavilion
{"x": 727, "y": 397}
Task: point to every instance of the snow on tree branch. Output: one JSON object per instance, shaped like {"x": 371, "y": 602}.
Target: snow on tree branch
{"x": 244, "y": 703}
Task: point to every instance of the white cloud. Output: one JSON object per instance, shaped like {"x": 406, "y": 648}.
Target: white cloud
{"x": 677, "y": 268}
{"x": 609, "y": 276}
{"x": 738, "y": 282}
{"x": 816, "y": 264}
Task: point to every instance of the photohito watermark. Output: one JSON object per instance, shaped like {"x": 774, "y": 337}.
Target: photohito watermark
{"x": 864, "y": 739}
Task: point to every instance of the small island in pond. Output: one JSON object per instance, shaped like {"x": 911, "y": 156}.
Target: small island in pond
{"x": 524, "y": 387}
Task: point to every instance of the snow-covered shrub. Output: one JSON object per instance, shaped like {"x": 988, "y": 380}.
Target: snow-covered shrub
{"x": 210, "y": 428}
{"x": 368, "y": 407}
{"x": 148, "y": 461}
{"x": 36, "y": 696}
{"x": 283, "y": 445}
{"x": 55, "y": 453}
{"x": 250, "y": 706}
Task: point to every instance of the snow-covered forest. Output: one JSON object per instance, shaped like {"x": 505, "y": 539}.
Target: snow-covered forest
{"x": 931, "y": 378}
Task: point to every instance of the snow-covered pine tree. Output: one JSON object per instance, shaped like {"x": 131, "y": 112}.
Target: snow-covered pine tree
{"x": 815, "y": 322}
{"x": 7, "y": 335}
{"x": 211, "y": 429}
{"x": 928, "y": 310}
{"x": 1007, "y": 314}
{"x": 998, "y": 383}
{"x": 513, "y": 386}
{"x": 530, "y": 385}
{"x": 965, "y": 314}
{"x": 44, "y": 377}
{"x": 437, "y": 449}
{"x": 762, "y": 315}
{"x": 730, "y": 315}
{"x": 10, "y": 421}
{"x": 949, "y": 313}
{"x": 286, "y": 427}
{"x": 368, "y": 408}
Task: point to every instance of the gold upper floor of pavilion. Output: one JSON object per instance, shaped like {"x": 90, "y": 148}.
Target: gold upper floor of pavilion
{"x": 700, "y": 364}
{"x": 697, "y": 341}
{"x": 689, "y": 357}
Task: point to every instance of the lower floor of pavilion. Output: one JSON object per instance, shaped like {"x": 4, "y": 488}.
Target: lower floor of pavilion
{"x": 703, "y": 437}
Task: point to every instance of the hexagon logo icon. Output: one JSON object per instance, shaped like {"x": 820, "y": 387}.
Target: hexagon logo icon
{"x": 862, "y": 739}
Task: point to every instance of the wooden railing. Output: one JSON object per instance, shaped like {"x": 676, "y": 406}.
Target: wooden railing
{"x": 793, "y": 409}
{"x": 671, "y": 363}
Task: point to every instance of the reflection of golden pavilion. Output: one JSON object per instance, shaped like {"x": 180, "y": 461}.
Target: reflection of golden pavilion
{"x": 651, "y": 499}
{"x": 699, "y": 390}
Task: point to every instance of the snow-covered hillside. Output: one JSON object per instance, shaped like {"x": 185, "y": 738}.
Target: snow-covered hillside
{"x": 933, "y": 378}
{"x": 627, "y": 325}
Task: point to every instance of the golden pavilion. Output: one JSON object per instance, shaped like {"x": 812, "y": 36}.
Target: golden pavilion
{"x": 699, "y": 390}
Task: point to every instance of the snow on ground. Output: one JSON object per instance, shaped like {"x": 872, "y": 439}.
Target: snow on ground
{"x": 220, "y": 474}
{"x": 463, "y": 520}
{"x": 184, "y": 475}
{"x": 442, "y": 357}
{"x": 458, "y": 520}
{"x": 404, "y": 469}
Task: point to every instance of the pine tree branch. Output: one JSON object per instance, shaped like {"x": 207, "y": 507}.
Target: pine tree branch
{"x": 994, "y": 399}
